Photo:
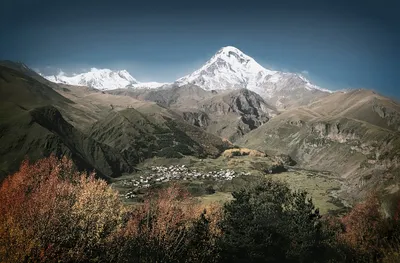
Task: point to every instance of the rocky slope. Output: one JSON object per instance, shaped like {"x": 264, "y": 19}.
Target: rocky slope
{"x": 235, "y": 113}
{"x": 173, "y": 95}
{"x": 139, "y": 136}
{"x": 228, "y": 113}
{"x": 353, "y": 134}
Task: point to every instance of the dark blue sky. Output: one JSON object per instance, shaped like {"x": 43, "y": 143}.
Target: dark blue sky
{"x": 341, "y": 44}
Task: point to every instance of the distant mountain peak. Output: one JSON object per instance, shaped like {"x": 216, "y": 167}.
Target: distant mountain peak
{"x": 103, "y": 79}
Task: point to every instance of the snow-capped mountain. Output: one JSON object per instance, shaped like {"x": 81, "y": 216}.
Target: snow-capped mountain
{"x": 230, "y": 68}
{"x": 103, "y": 79}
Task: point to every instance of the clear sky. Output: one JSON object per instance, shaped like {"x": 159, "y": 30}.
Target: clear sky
{"x": 338, "y": 44}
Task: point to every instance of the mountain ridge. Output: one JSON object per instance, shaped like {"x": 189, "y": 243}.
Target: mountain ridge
{"x": 109, "y": 134}
{"x": 228, "y": 69}
{"x": 103, "y": 79}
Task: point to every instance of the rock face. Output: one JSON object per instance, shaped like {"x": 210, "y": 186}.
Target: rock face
{"x": 236, "y": 113}
{"x": 391, "y": 116}
{"x": 229, "y": 114}
{"x": 196, "y": 118}
{"x": 285, "y": 159}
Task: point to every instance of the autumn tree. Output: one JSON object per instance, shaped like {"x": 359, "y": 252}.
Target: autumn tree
{"x": 171, "y": 227}
{"x": 50, "y": 212}
{"x": 365, "y": 228}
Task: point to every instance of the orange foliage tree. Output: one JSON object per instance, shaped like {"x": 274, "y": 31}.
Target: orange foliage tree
{"x": 365, "y": 228}
{"x": 172, "y": 227}
{"x": 50, "y": 212}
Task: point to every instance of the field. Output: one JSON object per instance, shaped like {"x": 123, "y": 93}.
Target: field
{"x": 206, "y": 179}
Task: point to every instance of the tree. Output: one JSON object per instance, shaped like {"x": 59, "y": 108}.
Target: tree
{"x": 267, "y": 222}
{"x": 50, "y": 212}
{"x": 365, "y": 228}
{"x": 170, "y": 227}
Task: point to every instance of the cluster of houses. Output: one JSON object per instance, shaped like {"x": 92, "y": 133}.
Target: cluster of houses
{"x": 163, "y": 174}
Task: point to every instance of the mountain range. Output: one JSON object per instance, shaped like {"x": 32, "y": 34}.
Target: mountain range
{"x": 109, "y": 122}
{"x": 228, "y": 69}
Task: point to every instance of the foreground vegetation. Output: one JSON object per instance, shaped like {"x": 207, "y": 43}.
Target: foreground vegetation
{"x": 52, "y": 213}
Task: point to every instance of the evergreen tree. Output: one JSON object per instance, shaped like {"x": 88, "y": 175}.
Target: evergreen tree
{"x": 267, "y": 222}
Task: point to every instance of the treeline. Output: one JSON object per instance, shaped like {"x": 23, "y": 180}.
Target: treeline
{"x": 49, "y": 212}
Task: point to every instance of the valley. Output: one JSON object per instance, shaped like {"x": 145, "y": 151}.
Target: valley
{"x": 213, "y": 180}
{"x": 343, "y": 144}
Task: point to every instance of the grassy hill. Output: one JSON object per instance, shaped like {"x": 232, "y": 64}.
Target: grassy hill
{"x": 352, "y": 134}
{"x": 106, "y": 133}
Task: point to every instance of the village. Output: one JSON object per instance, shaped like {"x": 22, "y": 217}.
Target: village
{"x": 164, "y": 174}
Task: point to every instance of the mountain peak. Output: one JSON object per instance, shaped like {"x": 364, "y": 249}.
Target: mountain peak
{"x": 237, "y": 59}
{"x": 102, "y": 79}
{"x": 228, "y": 49}
{"x": 230, "y": 68}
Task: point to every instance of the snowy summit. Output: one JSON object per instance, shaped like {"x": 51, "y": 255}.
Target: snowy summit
{"x": 230, "y": 68}
{"x": 103, "y": 79}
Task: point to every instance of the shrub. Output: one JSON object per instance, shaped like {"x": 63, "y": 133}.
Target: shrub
{"x": 242, "y": 152}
